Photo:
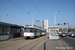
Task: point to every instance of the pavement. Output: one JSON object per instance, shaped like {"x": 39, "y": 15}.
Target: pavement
{"x": 70, "y": 41}
{"x": 22, "y": 44}
{"x": 50, "y": 45}
{"x": 47, "y": 44}
{"x": 54, "y": 45}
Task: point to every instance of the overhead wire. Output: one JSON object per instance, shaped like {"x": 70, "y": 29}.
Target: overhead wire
{"x": 17, "y": 6}
{"x": 24, "y": 10}
{"x": 37, "y": 9}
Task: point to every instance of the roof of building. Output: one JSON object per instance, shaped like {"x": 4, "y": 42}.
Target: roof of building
{"x": 8, "y": 24}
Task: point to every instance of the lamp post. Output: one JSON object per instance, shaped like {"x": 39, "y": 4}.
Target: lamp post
{"x": 4, "y": 17}
{"x": 32, "y": 17}
{"x": 55, "y": 18}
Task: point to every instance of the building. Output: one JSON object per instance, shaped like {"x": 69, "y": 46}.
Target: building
{"x": 9, "y": 31}
{"x": 45, "y": 24}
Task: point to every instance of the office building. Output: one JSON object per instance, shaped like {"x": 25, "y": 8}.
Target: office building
{"x": 45, "y": 24}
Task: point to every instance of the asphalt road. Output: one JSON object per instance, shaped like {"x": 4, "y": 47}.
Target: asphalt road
{"x": 69, "y": 41}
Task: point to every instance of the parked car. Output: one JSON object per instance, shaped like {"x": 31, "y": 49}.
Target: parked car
{"x": 60, "y": 33}
{"x": 63, "y": 34}
{"x": 73, "y": 35}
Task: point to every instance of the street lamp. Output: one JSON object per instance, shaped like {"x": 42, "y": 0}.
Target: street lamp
{"x": 55, "y": 18}
{"x": 4, "y": 17}
{"x": 32, "y": 17}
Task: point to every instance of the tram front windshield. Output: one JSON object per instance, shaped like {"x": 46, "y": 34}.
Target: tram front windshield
{"x": 28, "y": 30}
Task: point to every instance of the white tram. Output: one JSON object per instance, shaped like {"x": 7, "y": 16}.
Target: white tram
{"x": 44, "y": 32}
{"x": 32, "y": 32}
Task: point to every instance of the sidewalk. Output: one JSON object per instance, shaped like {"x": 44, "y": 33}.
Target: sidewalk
{"x": 46, "y": 45}
{"x": 10, "y": 40}
{"x": 52, "y": 45}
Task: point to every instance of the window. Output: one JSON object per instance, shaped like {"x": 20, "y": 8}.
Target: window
{"x": 35, "y": 30}
{"x": 18, "y": 30}
{"x": 4, "y": 30}
{"x": 7, "y": 30}
{"x": 15, "y": 30}
{"x": 12, "y": 30}
{"x": 29, "y": 30}
{"x": 0, "y": 30}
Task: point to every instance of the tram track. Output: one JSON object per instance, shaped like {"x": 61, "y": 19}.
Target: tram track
{"x": 11, "y": 43}
{"x": 11, "y": 46}
{"x": 36, "y": 45}
{"x": 32, "y": 44}
{"x": 24, "y": 44}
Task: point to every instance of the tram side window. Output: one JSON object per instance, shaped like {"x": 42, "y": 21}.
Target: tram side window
{"x": 0, "y": 30}
{"x": 35, "y": 30}
{"x": 32, "y": 30}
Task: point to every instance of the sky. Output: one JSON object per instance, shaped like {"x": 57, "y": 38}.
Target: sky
{"x": 17, "y": 11}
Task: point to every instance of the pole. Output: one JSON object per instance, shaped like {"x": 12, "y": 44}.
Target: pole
{"x": 4, "y": 17}
{"x": 32, "y": 17}
{"x": 55, "y": 18}
{"x": 68, "y": 25}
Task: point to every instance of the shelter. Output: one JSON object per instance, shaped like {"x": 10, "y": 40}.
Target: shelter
{"x": 53, "y": 32}
{"x": 9, "y": 31}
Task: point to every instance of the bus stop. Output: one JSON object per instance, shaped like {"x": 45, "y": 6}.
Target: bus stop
{"x": 53, "y": 32}
{"x": 9, "y": 31}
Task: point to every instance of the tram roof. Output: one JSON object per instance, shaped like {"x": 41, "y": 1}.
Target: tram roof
{"x": 44, "y": 29}
{"x": 8, "y": 24}
{"x": 32, "y": 27}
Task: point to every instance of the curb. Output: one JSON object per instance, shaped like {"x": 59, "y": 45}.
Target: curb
{"x": 17, "y": 38}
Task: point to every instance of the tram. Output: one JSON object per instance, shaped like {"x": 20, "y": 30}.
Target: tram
{"x": 44, "y": 32}
{"x": 32, "y": 32}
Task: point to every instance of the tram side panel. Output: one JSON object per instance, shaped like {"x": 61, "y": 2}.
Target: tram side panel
{"x": 31, "y": 35}
{"x": 43, "y": 33}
